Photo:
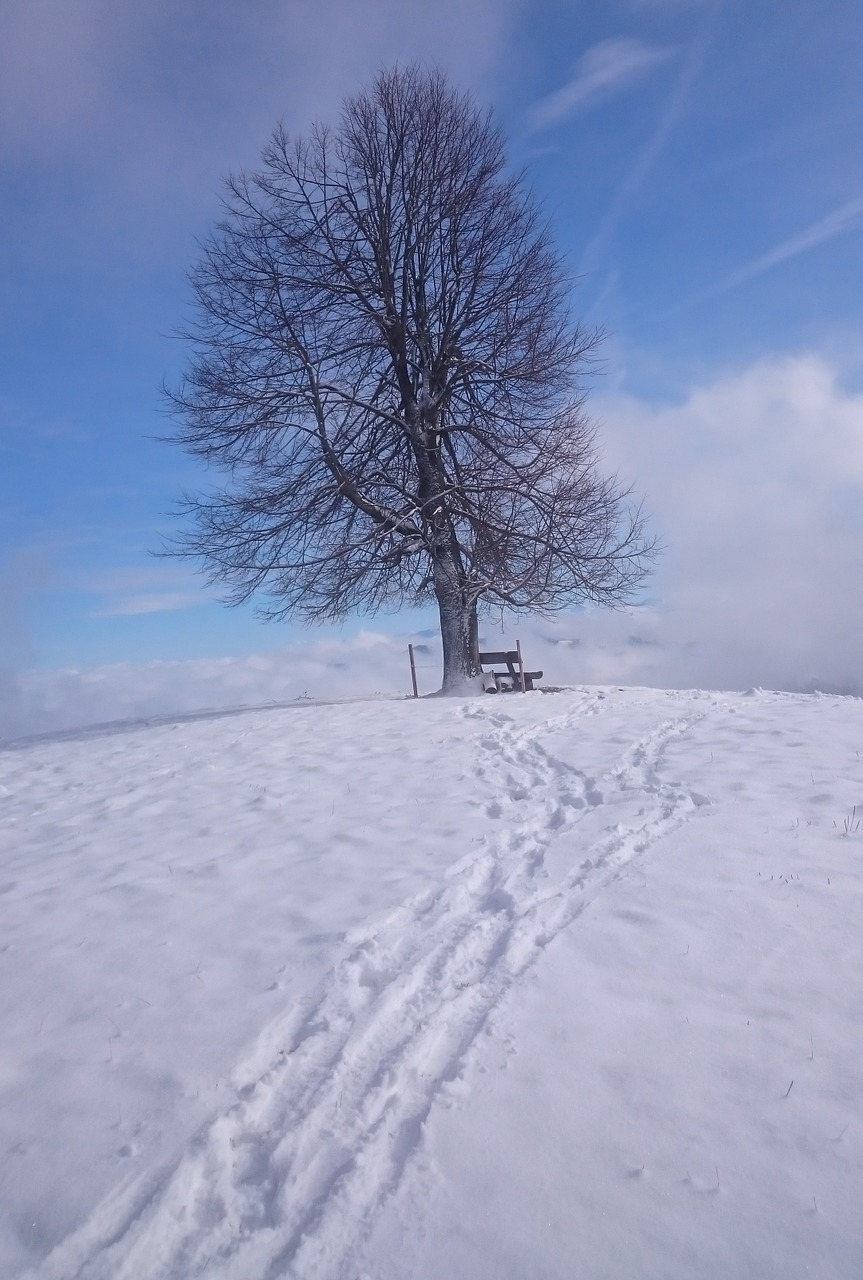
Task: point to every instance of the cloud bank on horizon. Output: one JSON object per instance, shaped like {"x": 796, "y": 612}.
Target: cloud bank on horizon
{"x": 755, "y": 481}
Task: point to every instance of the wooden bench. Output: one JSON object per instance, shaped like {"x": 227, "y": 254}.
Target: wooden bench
{"x": 515, "y": 678}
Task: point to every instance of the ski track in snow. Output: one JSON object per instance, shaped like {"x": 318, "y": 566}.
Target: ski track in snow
{"x": 331, "y": 1104}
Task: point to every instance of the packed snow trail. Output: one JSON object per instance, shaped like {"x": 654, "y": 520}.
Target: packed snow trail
{"x": 331, "y": 1106}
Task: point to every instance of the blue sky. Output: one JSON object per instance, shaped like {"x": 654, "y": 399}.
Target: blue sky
{"x": 701, "y": 163}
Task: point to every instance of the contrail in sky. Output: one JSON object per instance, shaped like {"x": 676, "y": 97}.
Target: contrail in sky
{"x": 843, "y": 219}
{"x": 656, "y": 143}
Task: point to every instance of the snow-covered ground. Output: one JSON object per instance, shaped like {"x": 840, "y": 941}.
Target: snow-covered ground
{"x": 547, "y": 986}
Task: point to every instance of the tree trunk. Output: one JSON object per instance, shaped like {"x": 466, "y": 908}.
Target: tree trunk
{"x": 459, "y": 630}
{"x": 457, "y": 607}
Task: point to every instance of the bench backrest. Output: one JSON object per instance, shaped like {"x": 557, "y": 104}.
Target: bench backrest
{"x": 489, "y": 659}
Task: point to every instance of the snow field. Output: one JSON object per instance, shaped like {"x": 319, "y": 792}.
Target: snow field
{"x": 630, "y": 1111}
{"x": 523, "y": 979}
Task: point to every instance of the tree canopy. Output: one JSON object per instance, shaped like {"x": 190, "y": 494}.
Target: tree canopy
{"x": 386, "y": 369}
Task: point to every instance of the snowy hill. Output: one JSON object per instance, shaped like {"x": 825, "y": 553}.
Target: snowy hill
{"x": 544, "y": 986}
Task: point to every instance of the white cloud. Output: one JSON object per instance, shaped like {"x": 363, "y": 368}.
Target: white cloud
{"x": 607, "y": 68}
{"x": 756, "y": 483}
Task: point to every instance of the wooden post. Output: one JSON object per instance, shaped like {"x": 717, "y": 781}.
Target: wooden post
{"x": 413, "y": 670}
{"x": 520, "y": 666}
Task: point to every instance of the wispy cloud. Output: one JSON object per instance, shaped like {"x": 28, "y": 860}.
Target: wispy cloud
{"x": 608, "y": 68}
{"x": 23, "y": 574}
{"x": 845, "y": 218}
{"x": 150, "y": 602}
{"x": 655, "y": 144}
{"x": 665, "y": 4}
{"x": 145, "y": 106}
{"x": 130, "y": 592}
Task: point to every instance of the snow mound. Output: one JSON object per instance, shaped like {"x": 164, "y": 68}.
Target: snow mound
{"x": 436, "y": 988}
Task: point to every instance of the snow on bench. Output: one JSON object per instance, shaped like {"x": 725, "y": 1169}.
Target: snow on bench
{"x": 514, "y": 678}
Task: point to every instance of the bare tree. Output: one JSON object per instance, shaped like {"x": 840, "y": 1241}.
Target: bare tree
{"x": 386, "y": 368}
